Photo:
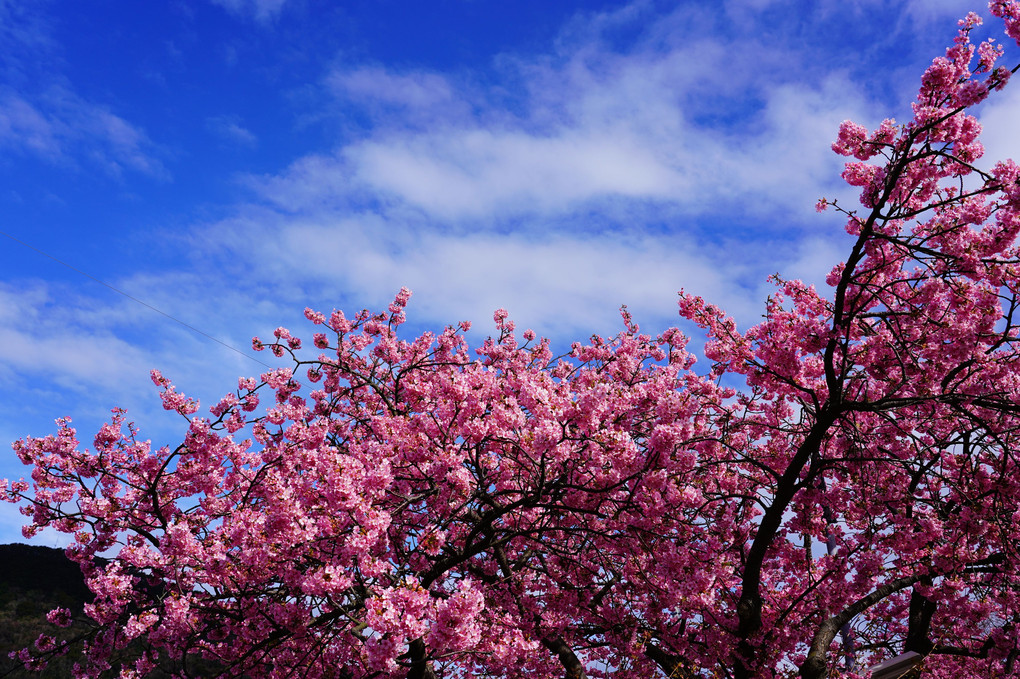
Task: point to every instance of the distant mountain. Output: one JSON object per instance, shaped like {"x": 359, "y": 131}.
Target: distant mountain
{"x": 33, "y": 581}
{"x": 42, "y": 568}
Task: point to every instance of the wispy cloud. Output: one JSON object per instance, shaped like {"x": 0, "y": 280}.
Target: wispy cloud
{"x": 686, "y": 122}
{"x": 69, "y": 341}
{"x": 23, "y": 30}
{"x": 614, "y": 175}
{"x": 613, "y": 139}
{"x": 561, "y": 284}
{"x": 229, "y": 128}
{"x": 1000, "y": 133}
{"x": 260, "y": 10}
{"x": 42, "y": 113}
{"x": 61, "y": 127}
{"x": 78, "y": 340}
{"x": 415, "y": 92}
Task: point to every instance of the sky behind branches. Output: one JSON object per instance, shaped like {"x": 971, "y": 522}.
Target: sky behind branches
{"x": 230, "y": 162}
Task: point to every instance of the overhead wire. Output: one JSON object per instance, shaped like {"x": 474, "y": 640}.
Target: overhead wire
{"x": 135, "y": 299}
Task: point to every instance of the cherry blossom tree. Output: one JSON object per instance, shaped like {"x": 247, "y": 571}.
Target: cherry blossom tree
{"x": 415, "y": 508}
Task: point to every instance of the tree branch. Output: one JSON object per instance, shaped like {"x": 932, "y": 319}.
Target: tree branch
{"x": 815, "y": 666}
{"x": 569, "y": 659}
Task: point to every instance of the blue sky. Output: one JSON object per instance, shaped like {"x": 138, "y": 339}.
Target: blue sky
{"x": 231, "y": 162}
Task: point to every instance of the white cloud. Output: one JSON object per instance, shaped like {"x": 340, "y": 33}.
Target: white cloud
{"x": 930, "y": 10}
{"x": 22, "y": 125}
{"x": 230, "y": 129}
{"x": 73, "y": 347}
{"x": 565, "y": 283}
{"x": 43, "y": 115}
{"x": 565, "y": 184}
{"x": 612, "y": 177}
{"x": 94, "y": 360}
{"x": 23, "y": 28}
{"x": 482, "y": 173}
{"x": 90, "y": 351}
{"x": 260, "y": 10}
{"x": 62, "y": 127}
{"x": 628, "y": 127}
{"x": 1000, "y": 133}
{"x": 420, "y": 91}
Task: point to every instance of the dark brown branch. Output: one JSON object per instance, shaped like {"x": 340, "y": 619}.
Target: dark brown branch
{"x": 571, "y": 663}
{"x": 674, "y": 666}
{"x": 420, "y": 667}
{"x": 815, "y": 666}
{"x": 750, "y": 603}
{"x": 919, "y": 623}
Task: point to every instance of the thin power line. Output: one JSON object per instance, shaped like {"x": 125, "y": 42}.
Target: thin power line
{"x": 135, "y": 299}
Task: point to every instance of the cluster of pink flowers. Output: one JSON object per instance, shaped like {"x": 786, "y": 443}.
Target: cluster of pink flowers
{"x": 1009, "y": 12}
{"x": 416, "y": 508}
